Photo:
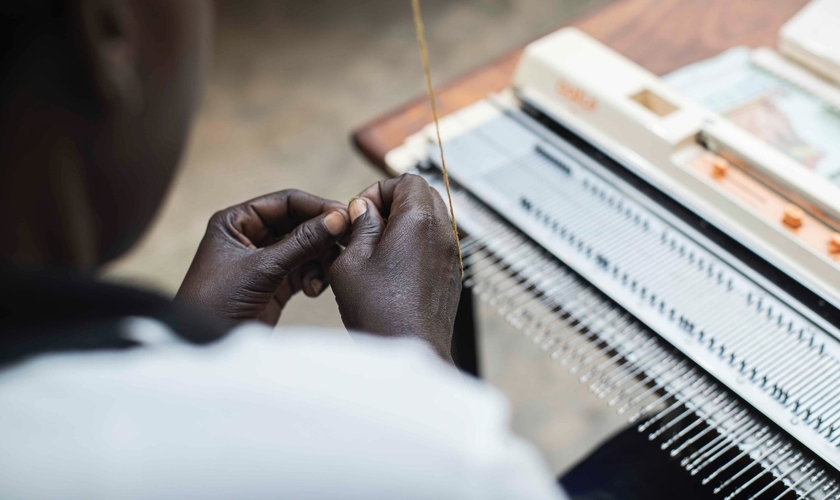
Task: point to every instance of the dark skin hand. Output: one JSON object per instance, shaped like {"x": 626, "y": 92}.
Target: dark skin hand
{"x": 255, "y": 256}
{"x": 399, "y": 275}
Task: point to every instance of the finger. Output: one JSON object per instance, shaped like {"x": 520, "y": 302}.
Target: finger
{"x": 412, "y": 204}
{"x": 419, "y": 217}
{"x": 388, "y": 195}
{"x": 278, "y": 301}
{"x": 315, "y": 278}
{"x": 295, "y": 280}
{"x": 368, "y": 226}
{"x": 266, "y": 219}
{"x": 311, "y": 277}
{"x": 312, "y": 280}
{"x": 309, "y": 241}
{"x": 328, "y": 259}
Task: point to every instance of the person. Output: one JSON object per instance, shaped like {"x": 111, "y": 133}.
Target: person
{"x": 112, "y": 392}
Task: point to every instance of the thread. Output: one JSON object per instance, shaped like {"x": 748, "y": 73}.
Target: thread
{"x": 424, "y": 55}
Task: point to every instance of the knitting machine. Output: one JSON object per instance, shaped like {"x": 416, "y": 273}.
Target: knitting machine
{"x": 650, "y": 247}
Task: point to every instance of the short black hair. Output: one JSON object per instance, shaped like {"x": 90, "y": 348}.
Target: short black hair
{"x": 33, "y": 28}
{"x": 23, "y": 21}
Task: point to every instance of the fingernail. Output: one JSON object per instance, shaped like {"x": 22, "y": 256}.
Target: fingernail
{"x": 357, "y": 208}
{"x": 336, "y": 223}
{"x": 316, "y": 285}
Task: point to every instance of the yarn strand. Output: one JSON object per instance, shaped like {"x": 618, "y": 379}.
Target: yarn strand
{"x": 424, "y": 55}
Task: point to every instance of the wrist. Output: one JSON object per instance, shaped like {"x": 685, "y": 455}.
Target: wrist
{"x": 438, "y": 339}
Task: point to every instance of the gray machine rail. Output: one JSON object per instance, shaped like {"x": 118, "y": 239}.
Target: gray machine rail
{"x": 728, "y": 329}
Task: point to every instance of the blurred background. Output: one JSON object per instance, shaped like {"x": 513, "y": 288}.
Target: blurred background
{"x": 291, "y": 79}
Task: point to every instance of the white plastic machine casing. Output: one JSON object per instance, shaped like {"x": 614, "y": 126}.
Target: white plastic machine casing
{"x": 812, "y": 38}
{"x": 590, "y": 89}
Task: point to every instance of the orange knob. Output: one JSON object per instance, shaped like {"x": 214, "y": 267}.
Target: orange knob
{"x": 834, "y": 243}
{"x": 719, "y": 167}
{"x": 793, "y": 216}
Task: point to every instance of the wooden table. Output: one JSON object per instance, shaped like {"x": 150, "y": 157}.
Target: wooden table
{"x": 661, "y": 35}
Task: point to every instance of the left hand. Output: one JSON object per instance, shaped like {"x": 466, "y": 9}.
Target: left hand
{"x": 256, "y": 255}
{"x": 399, "y": 275}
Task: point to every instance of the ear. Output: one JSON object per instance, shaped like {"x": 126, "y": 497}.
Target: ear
{"x": 109, "y": 38}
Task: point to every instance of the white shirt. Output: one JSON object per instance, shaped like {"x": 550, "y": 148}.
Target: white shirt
{"x": 301, "y": 415}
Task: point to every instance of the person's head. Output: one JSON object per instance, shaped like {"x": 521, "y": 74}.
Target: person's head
{"x": 95, "y": 107}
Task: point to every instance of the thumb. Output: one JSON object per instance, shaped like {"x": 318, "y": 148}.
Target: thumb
{"x": 307, "y": 242}
{"x": 367, "y": 228}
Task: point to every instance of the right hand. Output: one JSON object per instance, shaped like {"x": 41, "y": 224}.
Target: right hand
{"x": 399, "y": 275}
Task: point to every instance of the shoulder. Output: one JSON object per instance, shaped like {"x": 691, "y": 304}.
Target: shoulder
{"x": 300, "y": 366}
{"x": 378, "y": 417}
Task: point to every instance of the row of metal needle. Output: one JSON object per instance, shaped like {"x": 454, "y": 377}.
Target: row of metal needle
{"x": 567, "y": 318}
{"x": 744, "y": 339}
